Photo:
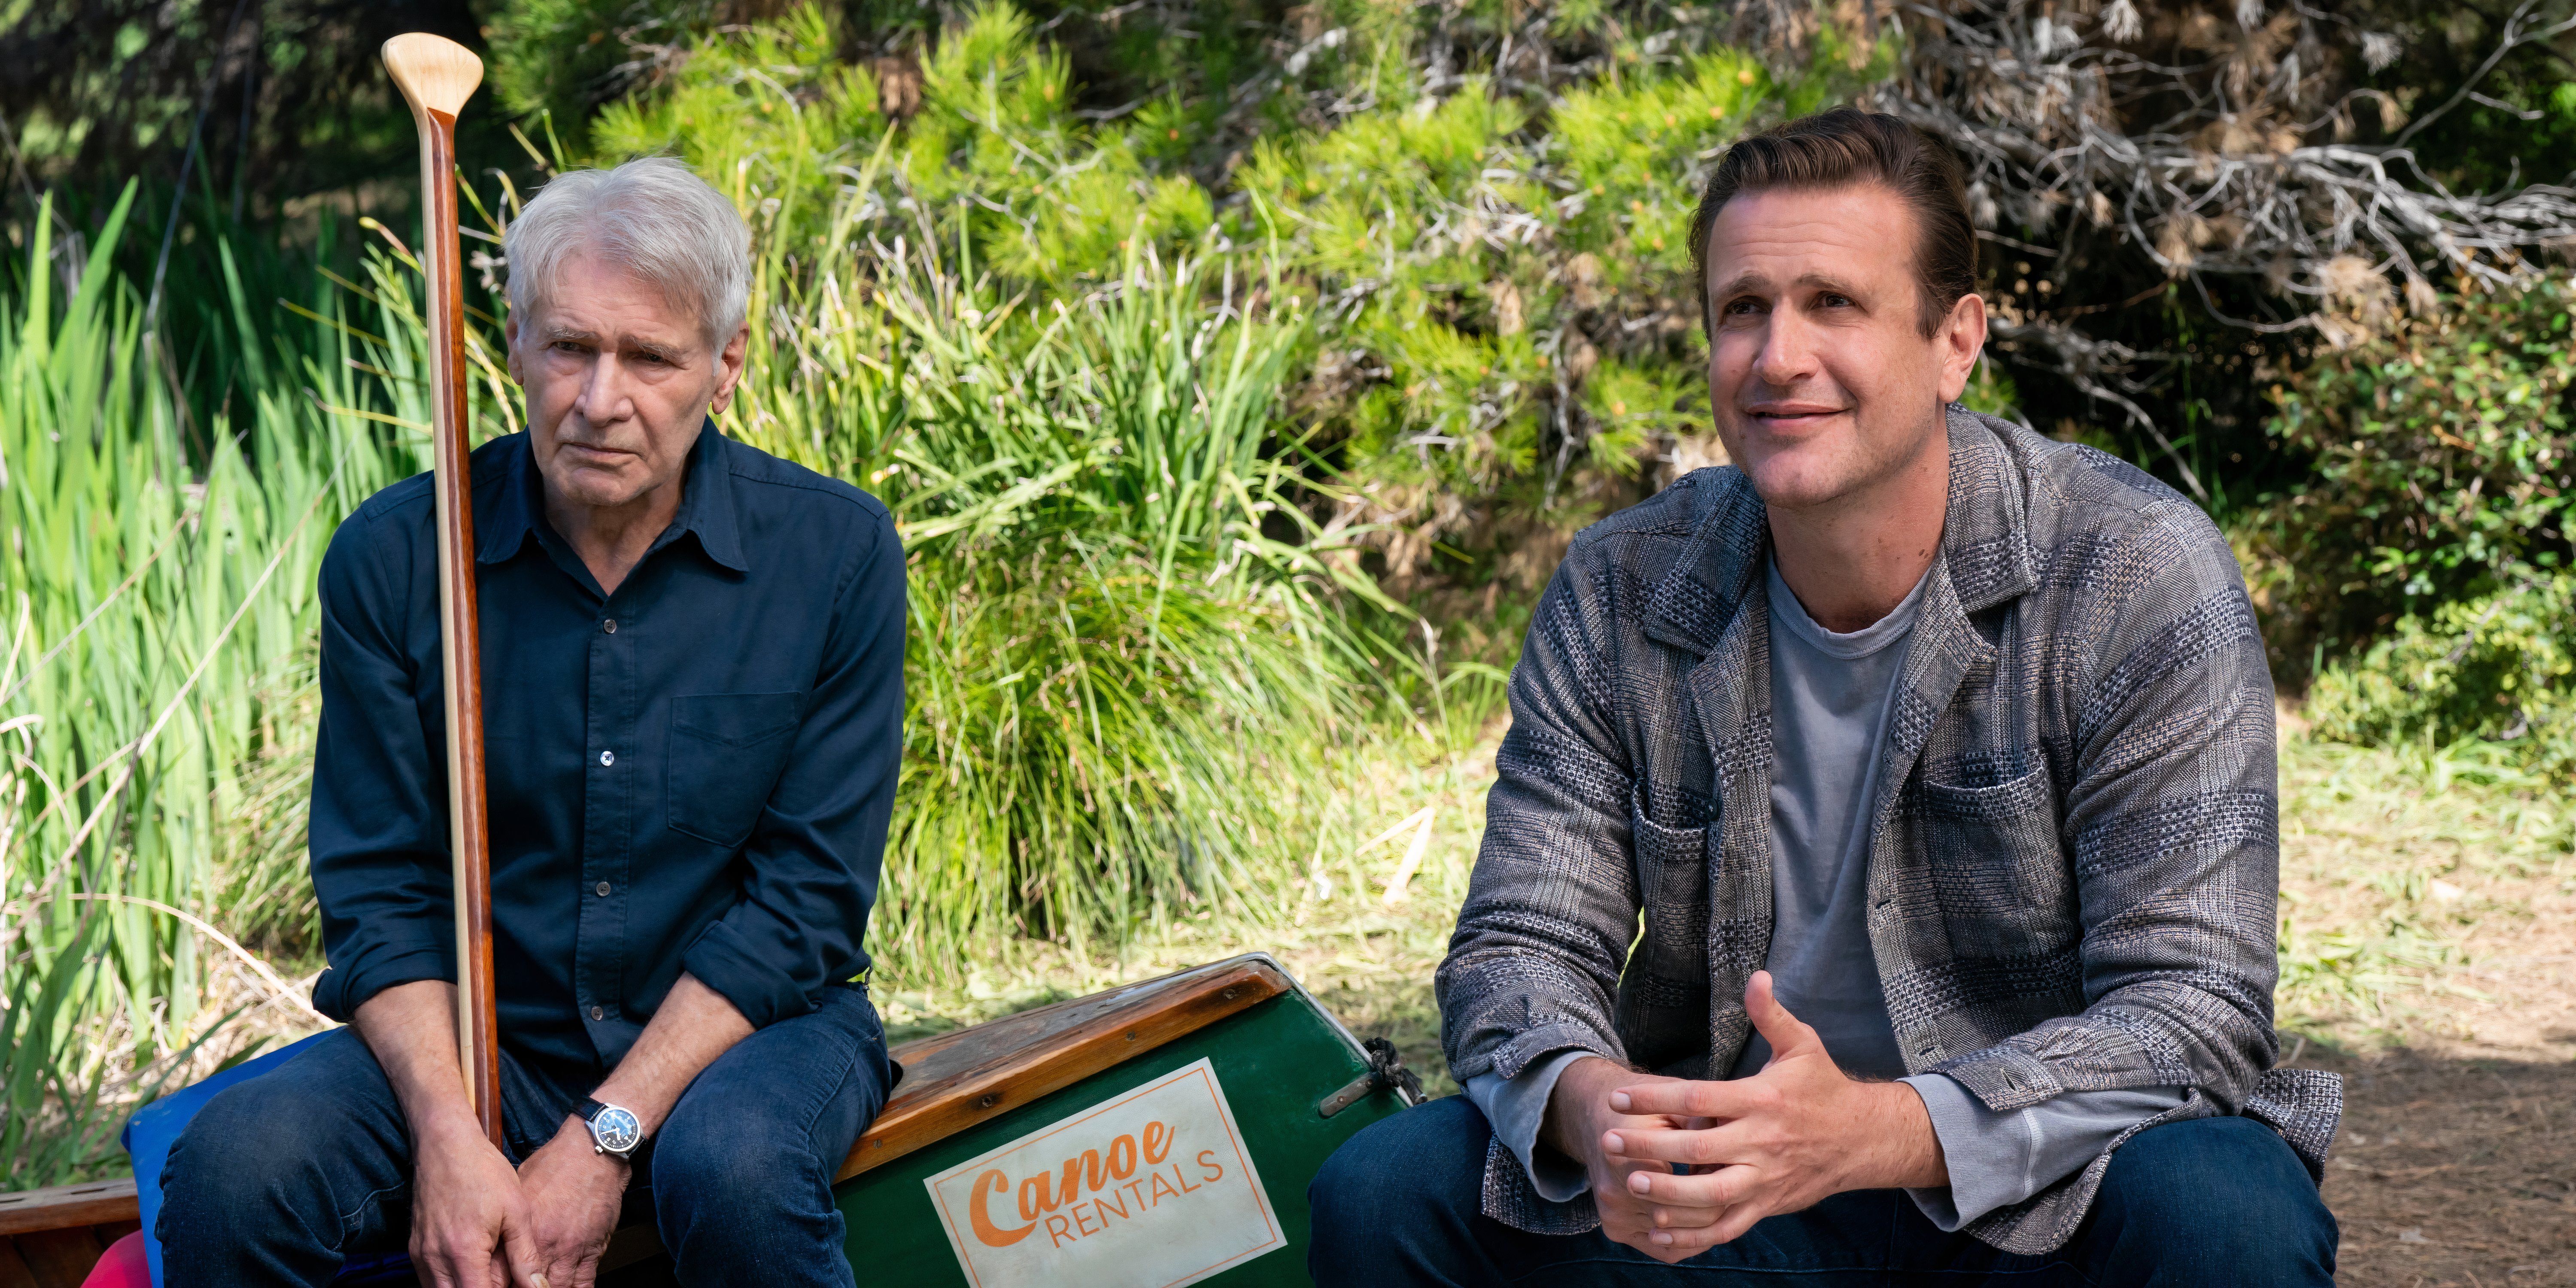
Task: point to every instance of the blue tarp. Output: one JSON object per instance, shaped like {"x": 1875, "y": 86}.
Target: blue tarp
{"x": 156, "y": 1126}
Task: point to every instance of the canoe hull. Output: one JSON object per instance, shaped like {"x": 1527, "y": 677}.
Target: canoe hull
{"x": 1274, "y": 1064}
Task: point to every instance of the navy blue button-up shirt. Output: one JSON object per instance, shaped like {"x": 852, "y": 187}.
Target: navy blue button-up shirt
{"x": 693, "y": 773}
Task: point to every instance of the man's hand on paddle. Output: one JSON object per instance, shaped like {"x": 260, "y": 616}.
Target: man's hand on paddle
{"x": 574, "y": 1193}
{"x": 1776, "y": 1142}
{"x": 469, "y": 1219}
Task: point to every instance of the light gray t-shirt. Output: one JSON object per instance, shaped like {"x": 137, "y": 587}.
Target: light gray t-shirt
{"x": 1829, "y": 702}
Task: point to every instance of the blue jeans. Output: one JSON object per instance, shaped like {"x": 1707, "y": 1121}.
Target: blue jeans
{"x": 280, "y": 1179}
{"x": 2208, "y": 1203}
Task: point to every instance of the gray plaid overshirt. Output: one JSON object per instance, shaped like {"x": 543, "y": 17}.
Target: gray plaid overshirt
{"x": 2073, "y": 851}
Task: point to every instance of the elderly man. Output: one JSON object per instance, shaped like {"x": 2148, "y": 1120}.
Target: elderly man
{"x": 692, "y": 679}
{"x": 1879, "y": 886}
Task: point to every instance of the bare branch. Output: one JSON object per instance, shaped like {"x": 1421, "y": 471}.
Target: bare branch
{"x": 2218, "y": 151}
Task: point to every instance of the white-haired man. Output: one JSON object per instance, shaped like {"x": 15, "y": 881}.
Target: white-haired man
{"x": 692, "y": 680}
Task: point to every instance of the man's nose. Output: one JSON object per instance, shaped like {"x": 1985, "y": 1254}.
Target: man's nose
{"x": 1788, "y": 350}
{"x": 604, "y": 393}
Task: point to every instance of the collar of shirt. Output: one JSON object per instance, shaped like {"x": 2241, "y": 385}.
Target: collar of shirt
{"x": 706, "y": 511}
{"x": 1899, "y": 622}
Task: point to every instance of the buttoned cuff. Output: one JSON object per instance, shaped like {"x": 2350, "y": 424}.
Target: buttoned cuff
{"x": 724, "y": 960}
{"x": 1517, "y": 1108}
{"x": 341, "y": 989}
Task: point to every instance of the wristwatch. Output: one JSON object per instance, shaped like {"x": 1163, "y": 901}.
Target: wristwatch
{"x": 613, "y": 1129}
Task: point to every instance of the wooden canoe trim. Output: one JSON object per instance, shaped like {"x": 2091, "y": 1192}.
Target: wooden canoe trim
{"x": 955, "y": 1080}
{"x": 93, "y": 1203}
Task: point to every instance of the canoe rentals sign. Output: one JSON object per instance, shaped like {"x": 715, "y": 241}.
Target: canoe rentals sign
{"x": 1149, "y": 1189}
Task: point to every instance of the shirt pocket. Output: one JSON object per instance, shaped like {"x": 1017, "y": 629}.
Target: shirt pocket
{"x": 1994, "y": 850}
{"x": 1665, "y": 854}
{"x": 1667, "y": 975}
{"x": 725, "y": 756}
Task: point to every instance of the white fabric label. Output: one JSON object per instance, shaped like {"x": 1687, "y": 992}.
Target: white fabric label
{"x": 1152, "y": 1188}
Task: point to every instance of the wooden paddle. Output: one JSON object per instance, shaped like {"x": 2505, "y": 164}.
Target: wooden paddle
{"x": 436, "y": 76}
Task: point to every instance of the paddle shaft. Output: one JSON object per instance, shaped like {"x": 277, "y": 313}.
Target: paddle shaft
{"x": 435, "y": 80}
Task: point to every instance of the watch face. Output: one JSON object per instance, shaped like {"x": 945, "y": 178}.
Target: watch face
{"x": 616, "y": 1129}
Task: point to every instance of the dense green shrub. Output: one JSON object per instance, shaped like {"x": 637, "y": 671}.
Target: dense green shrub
{"x": 992, "y": 152}
{"x": 567, "y": 58}
{"x": 1106, "y": 640}
{"x": 2423, "y": 574}
{"x": 1483, "y": 260}
{"x": 2441, "y": 452}
{"x": 2491, "y": 679}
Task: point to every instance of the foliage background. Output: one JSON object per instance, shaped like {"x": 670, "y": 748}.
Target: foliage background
{"x": 1237, "y": 371}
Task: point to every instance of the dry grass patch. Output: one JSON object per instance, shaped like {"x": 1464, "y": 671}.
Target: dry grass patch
{"x": 1366, "y": 955}
{"x": 2451, "y": 1012}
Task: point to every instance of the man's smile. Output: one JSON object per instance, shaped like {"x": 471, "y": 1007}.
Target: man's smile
{"x": 1792, "y": 415}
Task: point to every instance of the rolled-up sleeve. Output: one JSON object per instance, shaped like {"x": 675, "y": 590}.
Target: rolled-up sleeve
{"x": 812, "y": 863}
{"x": 378, "y": 830}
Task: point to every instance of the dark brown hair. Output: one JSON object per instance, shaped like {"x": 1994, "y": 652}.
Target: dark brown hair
{"x": 1848, "y": 146}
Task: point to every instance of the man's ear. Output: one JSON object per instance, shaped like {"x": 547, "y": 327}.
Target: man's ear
{"x": 510, "y": 346}
{"x": 729, "y": 362}
{"x": 1962, "y": 340}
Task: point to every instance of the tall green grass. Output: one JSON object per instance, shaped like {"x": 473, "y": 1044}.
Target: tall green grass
{"x": 1130, "y": 646}
{"x": 158, "y": 575}
{"x": 1126, "y": 643}
{"x": 1118, "y": 670}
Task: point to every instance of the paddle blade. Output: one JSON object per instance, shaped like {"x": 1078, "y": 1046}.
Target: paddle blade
{"x": 434, "y": 73}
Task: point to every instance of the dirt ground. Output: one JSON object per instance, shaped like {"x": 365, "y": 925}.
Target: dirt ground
{"x": 2453, "y": 1168}
{"x": 2456, "y": 1162}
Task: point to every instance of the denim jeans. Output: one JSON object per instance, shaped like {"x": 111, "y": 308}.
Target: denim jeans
{"x": 2208, "y": 1203}
{"x": 280, "y": 1179}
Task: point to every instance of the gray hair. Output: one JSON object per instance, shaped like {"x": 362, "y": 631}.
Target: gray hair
{"x": 654, "y": 217}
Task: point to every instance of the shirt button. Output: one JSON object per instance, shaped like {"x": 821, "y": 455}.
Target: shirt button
{"x": 607, "y": 758}
{"x": 603, "y": 889}
{"x": 609, "y": 626}
{"x": 599, "y": 1012}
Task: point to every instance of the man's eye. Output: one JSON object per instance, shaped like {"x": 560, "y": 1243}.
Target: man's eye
{"x": 1739, "y": 308}
{"x": 1833, "y": 301}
